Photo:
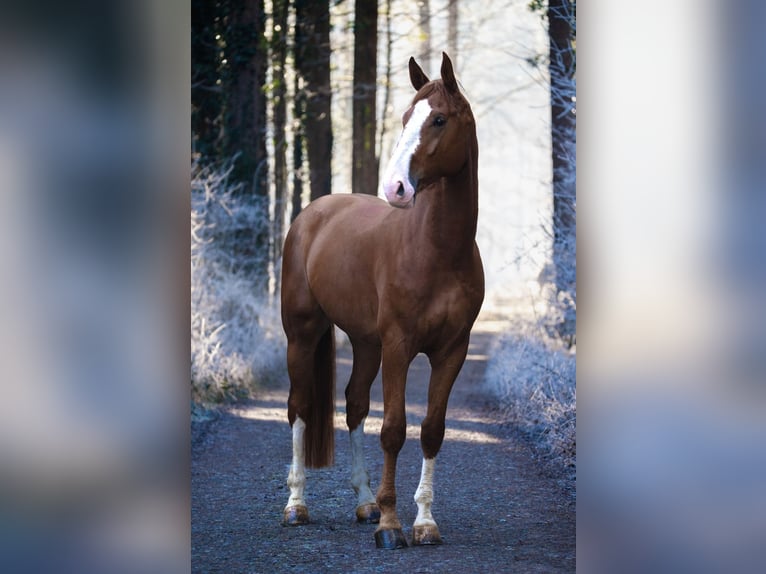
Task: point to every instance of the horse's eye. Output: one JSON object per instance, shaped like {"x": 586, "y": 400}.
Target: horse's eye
{"x": 439, "y": 121}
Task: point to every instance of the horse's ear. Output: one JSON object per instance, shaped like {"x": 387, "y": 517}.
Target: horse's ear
{"x": 417, "y": 76}
{"x": 448, "y": 75}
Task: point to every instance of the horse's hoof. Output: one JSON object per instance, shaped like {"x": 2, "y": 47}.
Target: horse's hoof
{"x": 390, "y": 539}
{"x": 426, "y": 535}
{"x": 368, "y": 514}
{"x": 296, "y": 516}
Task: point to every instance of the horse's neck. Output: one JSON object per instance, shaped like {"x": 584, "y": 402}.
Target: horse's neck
{"x": 450, "y": 212}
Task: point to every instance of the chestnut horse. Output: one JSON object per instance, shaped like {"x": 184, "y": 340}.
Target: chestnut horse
{"x": 400, "y": 278}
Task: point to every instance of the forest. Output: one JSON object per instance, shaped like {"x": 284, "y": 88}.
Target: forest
{"x": 292, "y": 100}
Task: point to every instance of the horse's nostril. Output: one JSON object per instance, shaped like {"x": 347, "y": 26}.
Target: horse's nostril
{"x": 400, "y": 190}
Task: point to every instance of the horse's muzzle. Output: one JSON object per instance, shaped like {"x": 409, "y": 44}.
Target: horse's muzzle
{"x": 399, "y": 193}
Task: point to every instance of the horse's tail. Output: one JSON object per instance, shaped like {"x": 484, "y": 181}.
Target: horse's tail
{"x": 320, "y": 430}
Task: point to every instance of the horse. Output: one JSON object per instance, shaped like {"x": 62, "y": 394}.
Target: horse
{"x": 400, "y": 277}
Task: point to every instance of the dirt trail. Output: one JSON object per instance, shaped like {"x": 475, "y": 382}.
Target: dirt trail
{"x": 497, "y": 510}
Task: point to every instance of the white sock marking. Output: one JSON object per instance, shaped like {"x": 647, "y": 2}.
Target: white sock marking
{"x": 296, "y": 479}
{"x": 360, "y": 479}
{"x": 424, "y": 495}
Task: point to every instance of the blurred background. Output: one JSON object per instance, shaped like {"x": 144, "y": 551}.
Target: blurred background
{"x": 99, "y": 278}
{"x": 671, "y": 362}
{"x": 94, "y": 140}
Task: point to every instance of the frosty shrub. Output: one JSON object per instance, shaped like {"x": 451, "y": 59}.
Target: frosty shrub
{"x": 236, "y": 339}
{"x": 533, "y": 375}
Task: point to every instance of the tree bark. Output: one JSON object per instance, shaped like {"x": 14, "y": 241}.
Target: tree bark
{"x": 386, "y": 83}
{"x": 299, "y": 110}
{"x": 312, "y": 57}
{"x": 452, "y": 20}
{"x": 364, "y": 172}
{"x": 206, "y": 98}
{"x": 424, "y": 55}
{"x": 246, "y": 61}
{"x": 279, "y": 99}
{"x": 563, "y": 137}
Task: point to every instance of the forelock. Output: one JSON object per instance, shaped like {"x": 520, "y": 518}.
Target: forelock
{"x": 437, "y": 87}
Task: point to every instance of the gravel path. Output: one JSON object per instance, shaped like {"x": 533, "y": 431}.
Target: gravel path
{"x": 497, "y": 510}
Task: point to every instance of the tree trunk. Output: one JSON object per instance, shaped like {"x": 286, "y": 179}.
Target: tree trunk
{"x": 563, "y": 137}
{"x": 386, "y": 83}
{"x": 452, "y": 19}
{"x": 299, "y": 109}
{"x": 279, "y": 98}
{"x": 312, "y": 57}
{"x": 364, "y": 172}
{"x": 424, "y": 53}
{"x": 246, "y": 61}
{"x": 206, "y": 99}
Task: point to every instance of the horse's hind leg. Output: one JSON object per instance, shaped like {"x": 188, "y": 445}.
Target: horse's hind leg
{"x": 310, "y": 365}
{"x": 296, "y": 512}
{"x": 305, "y": 346}
{"x": 366, "y": 366}
{"x": 299, "y": 354}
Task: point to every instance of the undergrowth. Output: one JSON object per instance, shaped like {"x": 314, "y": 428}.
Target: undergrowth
{"x": 236, "y": 338}
{"x": 534, "y": 376}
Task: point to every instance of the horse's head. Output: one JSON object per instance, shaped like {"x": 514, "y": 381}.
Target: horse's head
{"x": 435, "y": 141}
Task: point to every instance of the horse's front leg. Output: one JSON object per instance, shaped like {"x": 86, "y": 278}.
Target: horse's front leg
{"x": 444, "y": 370}
{"x": 363, "y": 373}
{"x": 392, "y": 435}
{"x": 367, "y": 510}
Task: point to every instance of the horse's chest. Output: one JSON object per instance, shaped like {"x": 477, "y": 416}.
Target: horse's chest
{"x": 434, "y": 300}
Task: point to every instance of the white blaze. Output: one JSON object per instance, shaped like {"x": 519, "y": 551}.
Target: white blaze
{"x": 360, "y": 480}
{"x": 424, "y": 495}
{"x": 296, "y": 479}
{"x": 397, "y": 172}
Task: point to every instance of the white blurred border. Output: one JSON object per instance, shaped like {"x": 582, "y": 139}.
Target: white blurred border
{"x": 671, "y": 396}
{"x": 94, "y": 164}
